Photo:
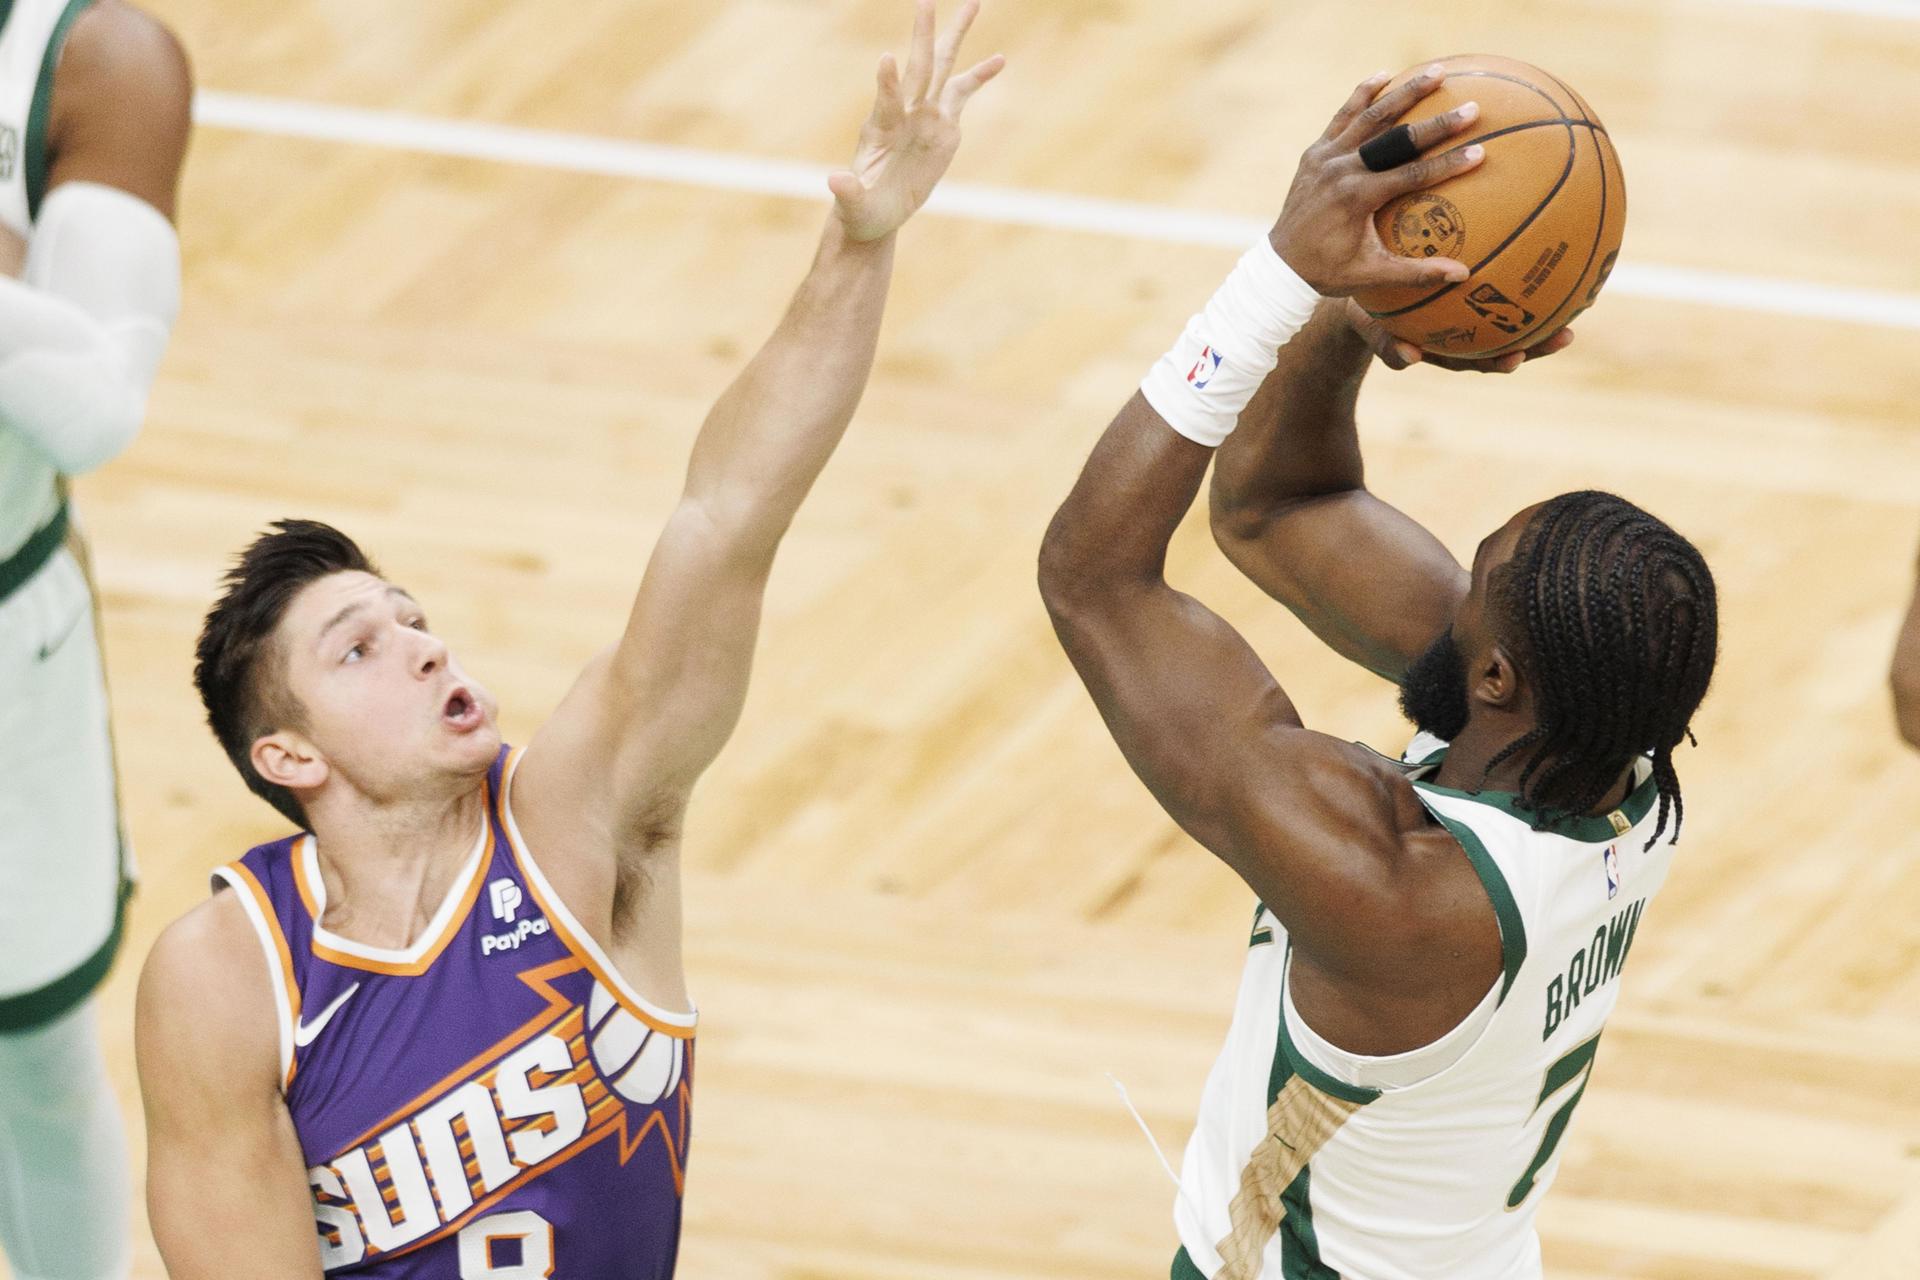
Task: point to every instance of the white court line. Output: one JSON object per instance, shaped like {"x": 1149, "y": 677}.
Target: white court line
{"x": 1898, "y": 9}
{"x": 584, "y": 153}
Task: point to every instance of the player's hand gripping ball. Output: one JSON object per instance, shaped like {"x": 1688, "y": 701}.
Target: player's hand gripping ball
{"x": 1538, "y": 223}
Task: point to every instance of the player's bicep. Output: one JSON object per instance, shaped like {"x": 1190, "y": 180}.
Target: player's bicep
{"x": 651, "y": 713}
{"x": 122, "y": 106}
{"x": 1368, "y": 580}
{"x": 226, "y": 1180}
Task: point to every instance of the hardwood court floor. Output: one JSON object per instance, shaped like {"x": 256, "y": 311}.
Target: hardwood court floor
{"x": 929, "y": 907}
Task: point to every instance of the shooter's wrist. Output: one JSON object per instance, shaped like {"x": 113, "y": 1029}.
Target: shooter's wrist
{"x": 1203, "y": 383}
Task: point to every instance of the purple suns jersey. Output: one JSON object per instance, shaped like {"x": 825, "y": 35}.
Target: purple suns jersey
{"x": 494, "y": 1101}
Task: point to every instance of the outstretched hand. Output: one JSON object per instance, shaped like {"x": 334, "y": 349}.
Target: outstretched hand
{"x": 1398, "y": 353}
{"x": 914, "y": 131}
{"x": 1326, "y": 231}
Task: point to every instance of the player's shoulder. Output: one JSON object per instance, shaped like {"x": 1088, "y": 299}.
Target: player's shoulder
{"x": 121, "y": 41}
{"x": 205, "y": 981}
{"x": 124, "y": 78}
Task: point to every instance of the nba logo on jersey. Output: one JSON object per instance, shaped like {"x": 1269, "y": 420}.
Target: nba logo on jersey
{"x": 1203, "y": 369}
{"x": 9, "y": 150}
{"x": 1612, "y": 857}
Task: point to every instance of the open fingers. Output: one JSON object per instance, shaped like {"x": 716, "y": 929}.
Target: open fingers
{"x": 920, "y": 57}
{"x": 946, "y": 50}
{"x": 1363, "y": 93}
{"x": 888, "y": 107}
{"x": 1429, "y": 170}
{"x": 965, "y": 85}
{"x": 1388, "y": 107}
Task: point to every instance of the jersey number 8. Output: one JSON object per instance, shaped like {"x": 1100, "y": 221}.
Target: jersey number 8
{"x": 480, "y": 1245}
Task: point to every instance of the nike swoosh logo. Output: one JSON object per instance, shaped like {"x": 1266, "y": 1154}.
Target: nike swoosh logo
{"x": 304, "y": 1032}
{"x": 52, "y": 646}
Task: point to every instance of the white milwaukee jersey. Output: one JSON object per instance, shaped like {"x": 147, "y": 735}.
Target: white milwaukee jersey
{"x": 32, "y": 33}
{"x": 1309, "y": 1164}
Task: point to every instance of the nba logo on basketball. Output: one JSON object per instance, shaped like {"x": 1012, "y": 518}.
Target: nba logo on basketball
{"x": 1613, "y": 871}
{"x": 1203, "y": 369}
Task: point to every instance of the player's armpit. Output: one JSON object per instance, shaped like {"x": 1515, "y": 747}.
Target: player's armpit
{"x": 227, "y": 1191}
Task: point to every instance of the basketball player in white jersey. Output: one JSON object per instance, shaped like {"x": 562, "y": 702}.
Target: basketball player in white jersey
{"x": 1438, "y": 939}
{"x": 338, "y": 705}
{"x": 1906, "y": 673}
{"x": 93, "y": 125}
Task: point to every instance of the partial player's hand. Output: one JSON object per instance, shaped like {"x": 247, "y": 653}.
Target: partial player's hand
{"x": 910, "y": 139}
{"x": 1397, "y": 353}
{"x": 1326, "y": 231}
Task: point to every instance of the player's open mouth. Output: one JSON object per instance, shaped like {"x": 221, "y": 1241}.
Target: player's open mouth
{"x": 462, "y": 711}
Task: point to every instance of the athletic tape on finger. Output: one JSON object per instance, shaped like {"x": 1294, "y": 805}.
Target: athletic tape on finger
{"x": 1390, "y": 150}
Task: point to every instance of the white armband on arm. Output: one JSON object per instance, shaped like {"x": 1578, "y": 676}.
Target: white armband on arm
{"x": 1203, "y": 383}
{"x": 82, "y": 333}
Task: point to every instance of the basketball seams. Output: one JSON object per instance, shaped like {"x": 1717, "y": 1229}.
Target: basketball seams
{"x": 1580, "y": 279}
{"x": 1526, "y": 222}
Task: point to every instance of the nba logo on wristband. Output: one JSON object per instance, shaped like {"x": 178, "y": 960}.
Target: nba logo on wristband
{"x": 1204, "y": 368}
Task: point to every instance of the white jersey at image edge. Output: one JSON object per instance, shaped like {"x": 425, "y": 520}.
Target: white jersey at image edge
{"x": 1363, "y": 1170}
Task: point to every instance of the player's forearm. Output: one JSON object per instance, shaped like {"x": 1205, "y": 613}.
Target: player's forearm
{"x": 770, "y": 435}
{"x": 1297, "y": 438}
{"x": 1111, "y": 533}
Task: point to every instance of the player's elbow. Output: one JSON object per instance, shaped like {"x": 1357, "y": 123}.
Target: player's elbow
{"x": 77, "y": 407}
{"x": 1067, "y": 577}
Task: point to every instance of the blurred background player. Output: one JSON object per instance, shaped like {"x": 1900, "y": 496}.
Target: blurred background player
{"x": 1439, "y": 939}
{"x": 1906, "y": 673}
{"x": 425, "y": 980}
{"x": 94, "y": 101}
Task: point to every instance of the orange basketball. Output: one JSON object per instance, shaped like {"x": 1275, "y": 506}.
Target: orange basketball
{"x": 1539, "y": 222}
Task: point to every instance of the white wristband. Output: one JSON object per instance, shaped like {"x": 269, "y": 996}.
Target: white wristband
{"x": 1227, "y": 351}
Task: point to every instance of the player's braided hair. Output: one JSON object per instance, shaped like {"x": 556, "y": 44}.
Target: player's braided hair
{"x": 1614, "y": 621}
{"x": 236, "y": 665}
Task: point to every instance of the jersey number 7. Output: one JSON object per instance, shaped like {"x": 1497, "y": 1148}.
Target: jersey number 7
{"x": 1575, "y": 1065}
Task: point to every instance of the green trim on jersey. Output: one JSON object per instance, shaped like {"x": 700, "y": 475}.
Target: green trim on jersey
{"x": 1303, "y": 1263}
{"x": 38, "y": 1007}
{"x": 19, "y": 568}
{"x": 6, "y": 11}
{"x": 1288, "y": 1061}
{"x": 1183, "y": 1268}
{"x": 1585, "y": 828}
{"x": 1513, "y": 932}
{"x": 35, "y": 143}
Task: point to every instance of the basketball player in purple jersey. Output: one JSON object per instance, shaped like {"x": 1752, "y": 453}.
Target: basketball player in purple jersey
{"x": 446, "y": 1026}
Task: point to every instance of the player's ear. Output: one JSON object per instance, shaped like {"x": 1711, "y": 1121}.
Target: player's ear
{"x": 1497, "y": 680}
{"x": 288, "y": 760}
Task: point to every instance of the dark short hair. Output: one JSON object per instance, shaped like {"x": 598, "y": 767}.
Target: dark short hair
{"x": 1613, "y": 619}
{"x": 236, "y": 666}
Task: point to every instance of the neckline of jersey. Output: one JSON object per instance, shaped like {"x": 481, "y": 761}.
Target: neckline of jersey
{"x": 445, "y": 921}
{"x": 1588, "y": 828}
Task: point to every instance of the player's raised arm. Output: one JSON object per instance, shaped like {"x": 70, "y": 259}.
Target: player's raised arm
{"x": 1289, "y": 500}
{"x": 82, "y": 331}
{"x": 660, "y": 706}
{"x": 1310, "y": 822}
{"x": 1906, "y": 674}
{"x": 227, "y": 1189}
